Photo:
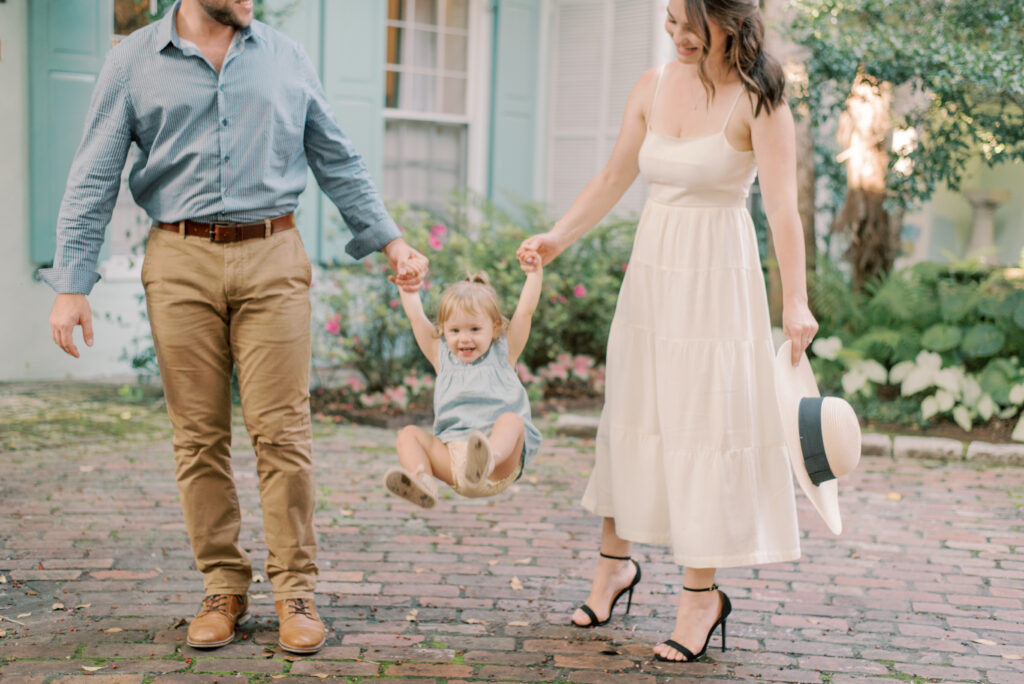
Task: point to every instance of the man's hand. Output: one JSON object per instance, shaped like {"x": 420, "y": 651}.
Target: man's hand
{"x": 68, "y": 311}
{"x": 410, "y": 266}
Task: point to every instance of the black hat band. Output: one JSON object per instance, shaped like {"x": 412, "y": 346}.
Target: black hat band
{"x": 812, "y": 443}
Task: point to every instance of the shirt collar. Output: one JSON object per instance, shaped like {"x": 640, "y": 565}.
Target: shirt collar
{"x": 167, "y": 30}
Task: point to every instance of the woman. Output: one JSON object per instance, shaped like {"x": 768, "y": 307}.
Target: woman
{"x": 690, "y": 450}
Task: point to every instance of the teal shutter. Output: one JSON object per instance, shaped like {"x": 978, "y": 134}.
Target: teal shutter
{"x": 514, "y": 101}
{"x": 68, "y": 40}
{"x": 354, "y": 48}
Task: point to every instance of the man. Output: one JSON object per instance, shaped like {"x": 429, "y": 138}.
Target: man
{"x": 227, "y": 113}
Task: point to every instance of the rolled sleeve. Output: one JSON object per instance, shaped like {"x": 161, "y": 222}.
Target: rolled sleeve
{"x": 68, "y": 281}
{"x": 372, "y": 238}
{"x": 341, "y": 173}
{"x": 93, "y": 183}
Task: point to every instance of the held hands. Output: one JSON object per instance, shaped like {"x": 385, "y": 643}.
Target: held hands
{"x": 68, "y": 311}
{"x": 545, "y": 245}
{"x": 799, "y": 326}
{"x": 529, "y": 260}
{"x": 409, "y": 265}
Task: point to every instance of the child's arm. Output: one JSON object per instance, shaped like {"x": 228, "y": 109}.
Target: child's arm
{"x": 422, "y": 328}
{"x": 519, "y": 326}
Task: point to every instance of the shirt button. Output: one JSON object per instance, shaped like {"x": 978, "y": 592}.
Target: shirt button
{"x": 227, "y": 157}
{"x": 224, "y": 122}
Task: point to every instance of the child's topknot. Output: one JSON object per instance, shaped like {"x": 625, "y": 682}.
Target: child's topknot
{"x": 472, "y": 294}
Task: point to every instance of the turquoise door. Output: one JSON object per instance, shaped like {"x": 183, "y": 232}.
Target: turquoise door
{"x": 67, "y": 42}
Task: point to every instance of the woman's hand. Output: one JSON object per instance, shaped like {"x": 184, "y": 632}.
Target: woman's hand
{"x": 799, "y": 326}
{"x": 545, "y": 245}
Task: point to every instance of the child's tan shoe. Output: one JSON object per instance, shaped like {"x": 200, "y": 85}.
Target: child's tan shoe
{"x": 417, "y": 489}
{"x": 479, "y": 458}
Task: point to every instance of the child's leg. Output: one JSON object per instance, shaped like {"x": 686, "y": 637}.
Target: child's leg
{"x": 417, "y": 448}
{"x": 506, "y": 440}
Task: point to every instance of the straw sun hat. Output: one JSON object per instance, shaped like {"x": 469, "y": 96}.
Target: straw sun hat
{"x": 822, "y": 434}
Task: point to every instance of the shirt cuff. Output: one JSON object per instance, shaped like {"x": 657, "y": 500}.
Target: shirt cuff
{"x": 372, "y": 238}
{"x": 66, "y": 281}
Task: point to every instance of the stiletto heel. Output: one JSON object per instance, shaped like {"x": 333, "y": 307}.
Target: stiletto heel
{"x": 594, "y": 622}
{"x": 723, "y": 613}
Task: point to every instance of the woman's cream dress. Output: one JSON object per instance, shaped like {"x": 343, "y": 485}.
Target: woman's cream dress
{"x": 690, "y": 450}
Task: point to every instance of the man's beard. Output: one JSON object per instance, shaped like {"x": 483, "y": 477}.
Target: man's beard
{"x": 222, "y": 15}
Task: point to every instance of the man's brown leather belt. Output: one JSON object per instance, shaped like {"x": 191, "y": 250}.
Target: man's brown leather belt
{"x": 231, "y": 232}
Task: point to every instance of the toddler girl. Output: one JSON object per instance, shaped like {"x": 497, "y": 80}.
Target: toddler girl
{"x": 482, "y": 430}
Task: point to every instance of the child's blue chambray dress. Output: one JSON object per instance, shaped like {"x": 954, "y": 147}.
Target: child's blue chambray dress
{"x": 471, "y": 396}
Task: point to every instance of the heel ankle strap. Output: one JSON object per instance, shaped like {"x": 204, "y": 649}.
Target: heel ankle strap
{"x": 711, "y": 588}
{"x": 605, "y": 555}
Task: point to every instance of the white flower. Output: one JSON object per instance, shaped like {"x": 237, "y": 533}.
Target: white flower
{"x": 827, "y": 347}
{"x": 962, "y": 417}
{"x": 987, "y": 407}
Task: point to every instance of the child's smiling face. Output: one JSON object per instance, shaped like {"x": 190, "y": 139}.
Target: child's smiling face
{"x": 469, "y": 334}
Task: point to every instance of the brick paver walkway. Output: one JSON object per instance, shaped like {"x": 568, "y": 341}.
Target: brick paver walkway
{"x": 926, "y": 584}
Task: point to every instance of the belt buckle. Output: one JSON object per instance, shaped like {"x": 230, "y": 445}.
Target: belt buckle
{"x": 213, "y": 231}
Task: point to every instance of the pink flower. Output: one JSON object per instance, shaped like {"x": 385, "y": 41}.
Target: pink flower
{"x": 355, "y": 384}
{"x": 624, "y": 265}
{"x": 439, "y": 229}
{"x": 393, "y": 303}
{"x": 524, "y": 374}
{"x": 435, "y": 242}
{"x": 333, "y": 324}
{"x": 580, "y": 291}
{"x": 426, "y": 285}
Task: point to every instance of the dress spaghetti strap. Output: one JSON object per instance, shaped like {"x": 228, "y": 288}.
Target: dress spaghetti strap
{"x": 732, "y": 109}
{"x": 654, "y": 100}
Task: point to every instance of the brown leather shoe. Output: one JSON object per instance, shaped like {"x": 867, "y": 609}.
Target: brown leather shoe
{"x": 214, "y": 625}
{"x": 301, "y": 628}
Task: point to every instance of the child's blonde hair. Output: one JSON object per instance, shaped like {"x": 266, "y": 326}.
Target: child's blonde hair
{"x": 472, "y": 295}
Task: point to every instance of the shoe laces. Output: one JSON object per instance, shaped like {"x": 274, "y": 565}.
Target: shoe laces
{"x": 215, "y": 603}
{"x": 299, "y": 606}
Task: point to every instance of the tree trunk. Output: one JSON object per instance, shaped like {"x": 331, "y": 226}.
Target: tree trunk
{"x": 865, "y": 132}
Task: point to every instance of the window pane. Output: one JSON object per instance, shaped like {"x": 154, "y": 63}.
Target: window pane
{"x": 398, "y": 9}
{"x": 391, "y": 84}
{"x": 454, "y": 96}
{"x": 457, "y": 14}
{"x": 426, "y": 12}
{"x": 455, "y": 49}
{"x": 130, "y": 15}
{"x": 395, "y": 38}
{"x": 423, "y": 162}
{"x": 424, "y": 50}
{"x": 414, "y": 92}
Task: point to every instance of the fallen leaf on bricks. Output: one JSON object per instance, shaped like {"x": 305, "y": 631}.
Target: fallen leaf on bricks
{"x": 181, "y": 622}
{"x": 532, "y": 479}
{"x": 523, "y": 561}
{"x": 86, "y": 469}
{"x": 813, "y": 621}
{"x": 1012, "y": 656}
{"x": 292, "y": 658}
{"x": 3, "y": 633}
{"x": 21, "y": 615}
{"x": 894, "y": 496}
{"x": 515, "y": 583}
{"x": 89, "y": 668}
{"x": 418, "y": 571}
{"x": 112, "y": 630}
{"x": 82, "y": 605}
{"x": 279, "y": 676}
{"x": 3, "y": 579}
{"x": 985, "y": 642}
{"x": 609, "y": 651}
{"x": 474, "y": 621}
{"x": 346, "y": 512}
{"x": 126, "y": 415}
{"x": 411, "y": 617}
{"x": 519, "y": 624}
{"x": 31, "y": 592}
{"x": 257, "y": 577}
{"x": 57, "y": 606}
{"x": 259, "y": 596}
{"x": 268, "y": 652}
{"x": 493, "y": 562}
{"x": 446, "y": 537}
{"x": 320, "y": 676}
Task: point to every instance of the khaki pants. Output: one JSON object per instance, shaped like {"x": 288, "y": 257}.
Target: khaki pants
{"x": 246, "y": 304}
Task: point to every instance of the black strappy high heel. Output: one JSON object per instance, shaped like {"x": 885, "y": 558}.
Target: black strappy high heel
{"x": 722, "y": 615}
{"x": 594, "y": 622}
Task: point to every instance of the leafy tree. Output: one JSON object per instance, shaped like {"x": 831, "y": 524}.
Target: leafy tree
{"x": 948, "y": 75}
